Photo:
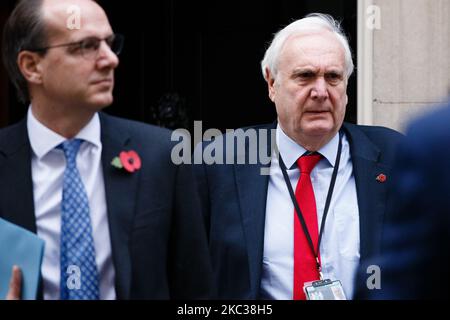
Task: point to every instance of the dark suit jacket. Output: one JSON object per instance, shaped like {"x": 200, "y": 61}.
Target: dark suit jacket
{"x": 234, "y": 204}
{"x": 158, "y": 239}
{"x": 415, "y": 256}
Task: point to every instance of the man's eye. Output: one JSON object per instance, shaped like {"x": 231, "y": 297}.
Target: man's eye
{"x": 75, "y": 48}
{"x": 305, "y": 75}
{"x": 90, "y": 44}
{"x": 333, "y": 77}
{"x": 110, "y": 41}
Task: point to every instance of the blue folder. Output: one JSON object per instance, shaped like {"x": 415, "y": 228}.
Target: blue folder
{"x": 24, "y": 249}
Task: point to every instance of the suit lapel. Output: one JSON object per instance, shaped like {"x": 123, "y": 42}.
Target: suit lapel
{"x": 371, "y": 194}
{"x": 17, "y": 201}
{"x": 252, "y": 193}
{"x": 121, "y": 190}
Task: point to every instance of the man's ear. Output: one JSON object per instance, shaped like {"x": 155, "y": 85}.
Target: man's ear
{"x": 270, "y": 84}
{"x": 29, "y": 65}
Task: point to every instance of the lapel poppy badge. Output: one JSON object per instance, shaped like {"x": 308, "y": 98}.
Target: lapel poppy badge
{"x": 128, "y": 160}
{"x": 381, "y": 178}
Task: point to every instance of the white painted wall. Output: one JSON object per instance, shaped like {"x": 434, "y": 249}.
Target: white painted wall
{"x": 404, "y": 66}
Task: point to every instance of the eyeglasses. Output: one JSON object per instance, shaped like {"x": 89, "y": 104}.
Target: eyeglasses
{"x": 89, "y": 47}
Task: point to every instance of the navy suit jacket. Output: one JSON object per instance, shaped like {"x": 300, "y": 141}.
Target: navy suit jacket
{"x": 158, "y": 240}
{"x": 415, "y": 256}
{"x": 234, "y": 204}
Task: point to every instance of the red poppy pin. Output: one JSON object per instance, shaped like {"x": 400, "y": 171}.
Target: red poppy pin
{"x": 381, "y": 178}
{"x": 128, "y": 160}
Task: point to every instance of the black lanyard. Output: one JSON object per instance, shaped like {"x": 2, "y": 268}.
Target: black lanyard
{"x": 327, "y": 203}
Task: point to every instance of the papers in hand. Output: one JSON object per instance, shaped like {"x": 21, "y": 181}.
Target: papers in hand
{"x": 24, "y": 249}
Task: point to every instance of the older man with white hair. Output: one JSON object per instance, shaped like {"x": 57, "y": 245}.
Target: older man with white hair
{"x": 299, "y": 232}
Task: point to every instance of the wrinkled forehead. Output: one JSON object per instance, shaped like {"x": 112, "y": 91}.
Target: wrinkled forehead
{"x": 314, "y": 44}
{"x": 72, "y": 20}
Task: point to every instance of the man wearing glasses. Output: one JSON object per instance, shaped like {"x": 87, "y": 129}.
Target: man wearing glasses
{"x": 127, "y": 230}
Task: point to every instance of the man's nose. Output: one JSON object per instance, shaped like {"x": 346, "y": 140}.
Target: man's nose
{"x": 319, "y": 90}
{"x": 106, "y": 57}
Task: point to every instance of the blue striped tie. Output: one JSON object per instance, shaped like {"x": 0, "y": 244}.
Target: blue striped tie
{"x": 79, "y": 275}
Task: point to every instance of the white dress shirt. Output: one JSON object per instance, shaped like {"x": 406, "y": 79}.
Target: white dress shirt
{"x": 48, "y": 165}
{"x": 339, "y": 248}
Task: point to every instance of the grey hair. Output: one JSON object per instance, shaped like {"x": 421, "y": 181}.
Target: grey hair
{"x": 311, "y": 23}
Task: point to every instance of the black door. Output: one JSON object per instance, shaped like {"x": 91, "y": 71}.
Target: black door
{"x": 198, "y": 60}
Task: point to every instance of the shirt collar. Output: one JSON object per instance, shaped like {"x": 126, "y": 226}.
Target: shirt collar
{"x": 291, "y": 150}
{"x": 43, "y": 139}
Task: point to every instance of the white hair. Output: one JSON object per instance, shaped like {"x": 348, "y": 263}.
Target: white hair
{"x": 311, "y": 23}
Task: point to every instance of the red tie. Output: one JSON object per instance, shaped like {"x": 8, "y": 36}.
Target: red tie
{"x": 305, "y": 266}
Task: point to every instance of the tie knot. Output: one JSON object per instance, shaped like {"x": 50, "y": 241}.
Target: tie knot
{"x": 307, "y": 163}
{"x": 70, "y": 148}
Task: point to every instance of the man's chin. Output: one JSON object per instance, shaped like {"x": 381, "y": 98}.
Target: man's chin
{"x": 319, "y": 128}
{"x": 102, "y": 101}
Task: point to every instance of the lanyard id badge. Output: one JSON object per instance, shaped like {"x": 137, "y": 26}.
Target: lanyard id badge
{"x": 324, "y": 290}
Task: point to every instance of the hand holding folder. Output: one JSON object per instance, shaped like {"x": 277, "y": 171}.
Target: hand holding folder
{"x": 15, "y": 286}
{"x": 24, "y": 249}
